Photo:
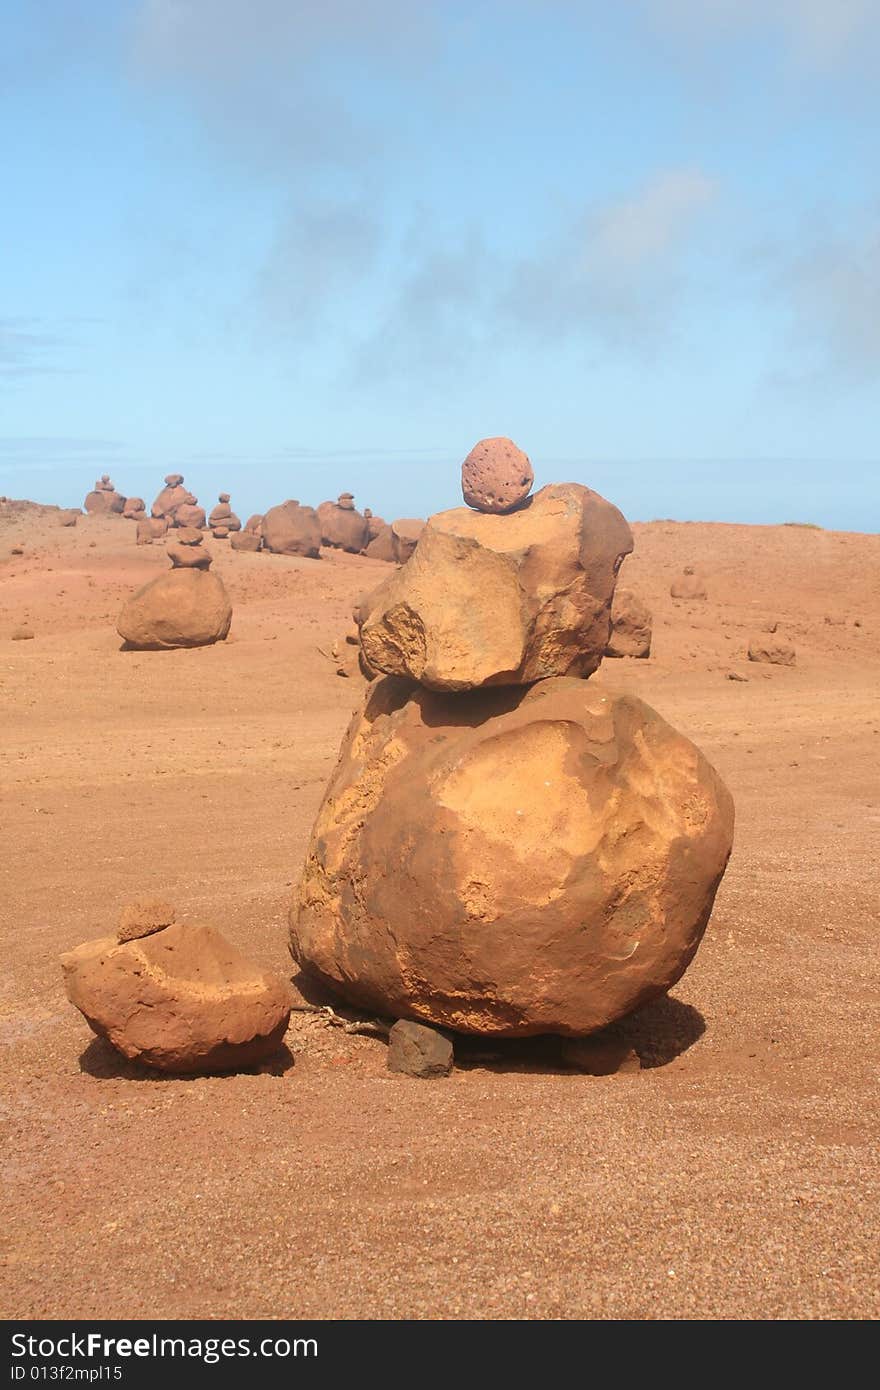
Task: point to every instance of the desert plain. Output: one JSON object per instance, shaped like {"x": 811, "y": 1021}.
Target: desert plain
{"x": 734, "y": 1176}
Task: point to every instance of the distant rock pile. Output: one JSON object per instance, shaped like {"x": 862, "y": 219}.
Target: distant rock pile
{"x": 689, "y": 585}
{"x": 185, "y": 607}
{"x": 104, "y": 499}
{"x": 223, "y": 520}
{"x": 176, "y": 997}
{"x": 503, "y": 848}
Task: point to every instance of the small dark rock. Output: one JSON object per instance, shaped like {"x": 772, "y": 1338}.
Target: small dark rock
{"x": 418, "y": 1051}
{"x": 600, "y": 1056}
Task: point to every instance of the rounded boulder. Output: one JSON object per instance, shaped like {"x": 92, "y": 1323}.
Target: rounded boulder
{"x": 556, "y": 854}
{"x": 185, "y": 607}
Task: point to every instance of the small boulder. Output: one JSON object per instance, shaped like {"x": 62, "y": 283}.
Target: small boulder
{"x": 151, "y": 528}
{"x": 496, "y": 476}
{"x": 186, "y": 551}
{"x": 774, "y": 651}
{"x": 181, "y": 999}
{"x": 292, "y": 530}
{"x": 142, "y": 917}
{"x": 135, "y": 508}
{"x": 189, "y": 513}
{"x": 689, "y": 585}
{"x": 22, "y": 634}
{"x": 417, "y": 1050}
{"x": 630, "y": 626}
{"x": 254, "y": 524}
{"x": 245, "y": 540}
{"x": 68, "y": 516}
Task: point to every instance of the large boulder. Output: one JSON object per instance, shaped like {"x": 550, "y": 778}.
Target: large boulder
{"x": 185, "y": 607}
{"x": 381, "y": 547}
{"x": 502, "y": 600}
{"x": 630, "y": 626}
{"x": 180, "y": 999}
{"x": 406, "y": 533}
{"x": 496, "y": 476}
{"x": 342, "y": 527}
{"x": 517, "y": 861}
{"x": 292, "y": 530}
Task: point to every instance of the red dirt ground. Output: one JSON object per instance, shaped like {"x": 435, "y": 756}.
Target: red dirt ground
{"x": 735, "y": 1176}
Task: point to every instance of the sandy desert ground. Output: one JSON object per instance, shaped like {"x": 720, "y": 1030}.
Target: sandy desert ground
{"x": 735, "y": 1176}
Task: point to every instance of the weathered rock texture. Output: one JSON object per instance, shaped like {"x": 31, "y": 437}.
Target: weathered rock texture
{"x": 510, "y": 861}
{"x": 181, "y": 999}
{"x": 292, "y": 530}
{"x": 189, "y": 513}
{"x": 502, "y": 600}
{"x": 172, "y": 496}
{"x": 630, "y": 626}
{"x": 186, "y": 607}
{"x": 496, "y": 476}
{"x": 151, "y": 528}
{"x": 143, "y": 916}
{"x": 135, "y": 508}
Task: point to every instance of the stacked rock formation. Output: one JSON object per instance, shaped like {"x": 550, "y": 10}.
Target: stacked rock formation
{"x": 342, "y": 526}
{"x": 189, "y": 513}
{"x": 179, "y": 998}
{"x": 172, "y": 496}
{"x": 104, "y": 498}
{"x": 135, "y": 509}
{"x": 185, "y": 607}
{"x": 505, "y": 848}
{"x": 223, "y": 519}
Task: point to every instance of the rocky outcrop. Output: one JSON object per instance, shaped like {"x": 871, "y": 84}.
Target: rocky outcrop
{"x": 502, "y": 600}
{"x": 104, "y": 500}
{"x": 223, "y": 519}
{"x": 405, "y": 536}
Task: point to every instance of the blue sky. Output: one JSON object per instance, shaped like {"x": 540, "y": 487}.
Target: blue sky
{"x": 289, "y": 248}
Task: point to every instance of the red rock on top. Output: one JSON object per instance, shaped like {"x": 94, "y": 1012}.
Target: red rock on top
{"x": 496, "y": 476}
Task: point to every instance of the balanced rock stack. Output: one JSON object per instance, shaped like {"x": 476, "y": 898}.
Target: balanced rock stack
{"x": 189, "y": 513}
{"x": 172, "y": 496}
{"x": 505, "y": 847}
{"x": 104, "y": 498}
{"x": 175, "y": 996}
{"x": 223, "y": 519}
{"x": 185, "y": 607}
{"x": 342, "y": 526}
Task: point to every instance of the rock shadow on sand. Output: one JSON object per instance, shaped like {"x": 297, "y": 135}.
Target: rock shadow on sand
{"x": 101, "y": 1060}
